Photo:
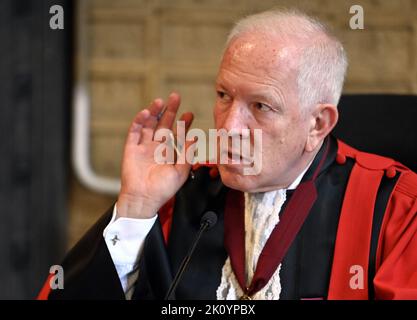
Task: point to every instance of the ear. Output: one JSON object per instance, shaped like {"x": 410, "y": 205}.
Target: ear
{"x": 323, "y": 119}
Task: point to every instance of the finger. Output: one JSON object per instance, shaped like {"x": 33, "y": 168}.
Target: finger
{"x": 188, "y": 118}
{"x": 151, "y": 121}
{"x": 186, "y": 159}
{"x": 144, "y": 119}
{"x": 135, "y": 128}
{"x": 141, "y": 117}
{"x": 168, "y": 117}
{"x": 156, "y": 107}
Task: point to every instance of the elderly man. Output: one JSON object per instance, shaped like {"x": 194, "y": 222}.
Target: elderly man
{"x": 320, "y": 221}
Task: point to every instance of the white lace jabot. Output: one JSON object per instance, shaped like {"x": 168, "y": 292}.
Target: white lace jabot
{"x": 261, "y": 216}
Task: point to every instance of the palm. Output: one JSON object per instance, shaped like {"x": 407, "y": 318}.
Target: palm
{"x": 142, "y": 176}
{"x": 143, "y": 179}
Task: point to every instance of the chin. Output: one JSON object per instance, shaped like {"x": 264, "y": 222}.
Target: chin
{"x": 233, "y": 177}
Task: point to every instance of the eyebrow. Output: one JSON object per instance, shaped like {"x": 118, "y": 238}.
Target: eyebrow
{"x": 261, "y": 96}
{"x": 264, "y": 96}
{"x": 220, "y": 86}
{"x": 268, "y": 96}
{"x": 257, "y": 96}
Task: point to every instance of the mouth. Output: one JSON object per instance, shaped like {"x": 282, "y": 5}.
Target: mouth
{"x": 233, "y": 158}
{"x": 236, "y": 156}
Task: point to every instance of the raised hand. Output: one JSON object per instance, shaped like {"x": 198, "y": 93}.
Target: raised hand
{"x": 147, "y": 185}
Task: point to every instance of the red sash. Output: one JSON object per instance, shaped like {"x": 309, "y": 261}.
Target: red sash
{"x": 280, "y": 239}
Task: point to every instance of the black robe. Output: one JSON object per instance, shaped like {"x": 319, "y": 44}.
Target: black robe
{"x": 305, "y": 271}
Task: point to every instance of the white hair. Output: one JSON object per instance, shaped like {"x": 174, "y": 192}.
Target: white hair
{"x": 323, "y": 62}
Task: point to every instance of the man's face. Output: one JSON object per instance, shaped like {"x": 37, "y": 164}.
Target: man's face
{"x": 256, "y": 89}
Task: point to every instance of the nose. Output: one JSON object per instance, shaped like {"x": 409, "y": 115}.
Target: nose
{"x": 235, "y": 120}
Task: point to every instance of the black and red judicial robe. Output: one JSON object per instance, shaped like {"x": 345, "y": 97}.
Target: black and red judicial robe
{"x": 365, "y": 215}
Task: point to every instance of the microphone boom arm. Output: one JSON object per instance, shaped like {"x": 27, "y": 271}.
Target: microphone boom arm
{"x": 208, "y": 220}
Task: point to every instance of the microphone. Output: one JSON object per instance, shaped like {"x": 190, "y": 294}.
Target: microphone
{"x": 207, "y": 221}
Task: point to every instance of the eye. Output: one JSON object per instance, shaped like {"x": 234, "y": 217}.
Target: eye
{"x": 262, "y": 107}
{"x": 223, "y": 96}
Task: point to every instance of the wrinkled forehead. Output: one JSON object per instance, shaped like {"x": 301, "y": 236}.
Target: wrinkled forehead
{"x": 263, "y": 52}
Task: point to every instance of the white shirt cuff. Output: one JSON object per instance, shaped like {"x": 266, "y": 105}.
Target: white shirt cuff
{"x": 125, "y": 236}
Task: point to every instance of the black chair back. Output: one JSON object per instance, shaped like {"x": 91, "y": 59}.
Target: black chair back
{"x": 380, "y": 123}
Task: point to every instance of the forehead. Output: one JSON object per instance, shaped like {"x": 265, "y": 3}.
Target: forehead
{"x": 258, "y": 64}
{"x": 260, "y": 53}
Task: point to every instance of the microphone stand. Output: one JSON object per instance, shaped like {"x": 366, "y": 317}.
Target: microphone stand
{"x": 208, "y": 220}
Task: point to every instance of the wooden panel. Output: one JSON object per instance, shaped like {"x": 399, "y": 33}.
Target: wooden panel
{"x": 144, "y": 49}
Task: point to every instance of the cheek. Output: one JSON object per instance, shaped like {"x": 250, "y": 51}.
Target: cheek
{"x": 278, "y": 143}
{"x": 296, "y": 139}
{"x": 274, "y": 149}
{"x": 275, "y": 136}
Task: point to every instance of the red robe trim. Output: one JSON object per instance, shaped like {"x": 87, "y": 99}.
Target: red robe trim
{"x": 396, "y": 267}
{"x": 167, "y": 210}
{"x": 396, "y": 276}
{"x": 165, "y": 217}
{"x": 351, "y": 254}
{"x": 46, "y": 289}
